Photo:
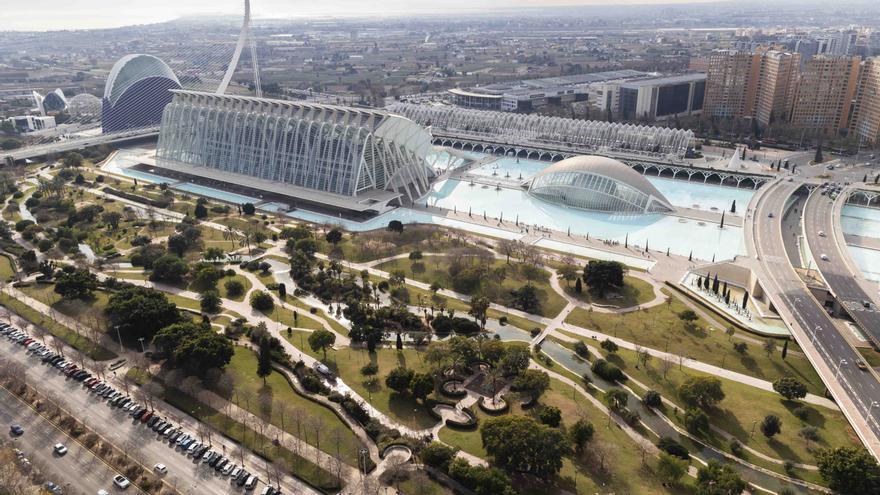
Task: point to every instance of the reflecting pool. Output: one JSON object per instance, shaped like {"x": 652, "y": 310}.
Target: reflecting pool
{"x": 859, "y": 220}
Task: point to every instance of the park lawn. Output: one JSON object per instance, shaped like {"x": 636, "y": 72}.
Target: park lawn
{"x": 6, "y": 270}
{"x": 742, "y": 406}
{"x": 73, "y": 339}
{"x": 347, "y": 362}
{"x": 212, "y": 237}
{"x": 625, "y": 472}
{"x": 418, "y": 482}
{"x": 285, "y": 317}
{"x": 303, "y": 418}
{"x": 184, "y": 302}
{"x": 635, "y": 292}
{"x": 437, "y": 270}
{"x": 659, "y": 328}
{"x": 244, "y": 282}
{"x": 376, "y": 244}
{"x": 870, "y": 356}
{"x": 129, "y": 275}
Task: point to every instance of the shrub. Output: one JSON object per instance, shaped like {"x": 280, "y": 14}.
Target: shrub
{"x": 652, "y": 399}
{"x": 369, "y": 369}
{"x": 262, "y": 301}
{"x": 438, "y": 455}
{"x": 736, "y": 448}
{"x": 607, "y": 371}
{"x": 233, "y": 288}
{"x": 801, "y": 412}
{"x": 673, "y": 448}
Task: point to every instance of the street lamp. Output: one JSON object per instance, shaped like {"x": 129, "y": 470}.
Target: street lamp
{"x": 118, "y": 336}
{"x": 839, "y": 364}
{"x": 141, "y": 340}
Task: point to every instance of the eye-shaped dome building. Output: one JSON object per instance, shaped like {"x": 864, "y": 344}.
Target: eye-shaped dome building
{"x": 137, "y": 90}
{"x": 598, "y": 183}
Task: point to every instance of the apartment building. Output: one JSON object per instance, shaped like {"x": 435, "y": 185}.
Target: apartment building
{"x": 866, "y": 114}
{"x": 826, "y": 93}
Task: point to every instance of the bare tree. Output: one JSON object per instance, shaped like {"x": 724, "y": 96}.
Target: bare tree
{"x": 666, "y": 363}
{"x": 317, "y": 425}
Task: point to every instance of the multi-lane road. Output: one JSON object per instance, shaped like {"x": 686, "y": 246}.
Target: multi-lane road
{"x": 857, "y": 392}
{"x": 842, "y": 278}
{"x": 78, "y": 472}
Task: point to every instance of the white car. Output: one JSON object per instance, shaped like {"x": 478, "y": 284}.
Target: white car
{"x": 160, "y": 468}
{"x": 103, "y": 492}
{"x": 821, "y": 233}
{"x": 60, "y": 449}
{"x": 824, "y": 257}
{"x": 121, "y": 481}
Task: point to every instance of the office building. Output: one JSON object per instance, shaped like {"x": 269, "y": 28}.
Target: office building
{"x": 662, "y": 98}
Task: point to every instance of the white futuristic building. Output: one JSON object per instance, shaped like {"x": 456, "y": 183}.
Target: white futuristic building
{"x": 541, "y": 131}
{"x": 136, "y": 92}
{"x": 598, "y": 183}
{"x": 350, "y": 159}
{"x": 53, "y": 102}
{"x": 84, "y": 106}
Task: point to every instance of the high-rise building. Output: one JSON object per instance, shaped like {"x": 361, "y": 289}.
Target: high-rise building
{"x": 746, "y": 84}
{"x": 866, "y": 114}
{"x": 825, "y": 94}
{"x": 731, "y": 83}
{"x": 777, "y": 79}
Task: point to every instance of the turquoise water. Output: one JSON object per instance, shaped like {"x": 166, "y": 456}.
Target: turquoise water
{"x": 868, "y": 261}
{"x": 442, "y": 159}
{"x": 215, "y": 193}
{"x": 681, "y": 236}
{"x": 858, "y": 220}
{"x": 509, "y": 165}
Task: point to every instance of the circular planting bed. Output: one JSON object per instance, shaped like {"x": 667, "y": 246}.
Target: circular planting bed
{"x": 453, "y": 388}
{"x": 497, "y": 406}
{"x": 397, "y": 453}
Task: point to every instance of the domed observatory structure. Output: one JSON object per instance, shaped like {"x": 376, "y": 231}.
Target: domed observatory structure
{"x": 598, "y": 183}
{"x": 137, "y": 90}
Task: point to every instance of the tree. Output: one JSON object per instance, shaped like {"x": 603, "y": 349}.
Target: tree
{"x": 395, "y": 226}
{"x": 616, "y": 399}
{"x": 334, "y": 236}
{"x": 696, "y": 420}
{"x": 769, "y": 346}
{"x": 609, "y": 346}
{"x": 550, "y": 416}
{"x": 515, "y": 361}
{"x": 262, "y": 301}
{"x": 169, "y": 268}
{"x": 399, "y": 379}
{"x": 205, "y": 351}
{"x": 532, "y": 383}
{"x": 688, "y": 317}
{"x": 264, "y": 360}
{"x": 140, "y": 311}
{"x": 771, "y": 425}
{"x": 438, "y": 455}
{"x": 673, "y": 448}
{"x": 248, "y": 209}
{"x": 526, "y": 299}
{"x": 790, "y": 388}
{"x": 178, "y": 244}
{"x": 72, "y": 159}
{"x": 234, "y": 288}
{"x": 652, "y": 398}
{"x": 112, "y": 219}
{"x": 578, "y": 287}
{"x": 701, "y": 391}
{"x": 519, "y": 443}
{"x": 580, "y": 433}
{"x": 817, "y": 158}
{"x": 741, "y": 348}
{"x": 200, "y": 211}
{"x": 479, "y": 309}
{"x": 719, "y": 479}
{"x": 321, "y": 339}
{"x": 421, "y": 386}
{"x": 671, "y": 468}
{"x": 76, "y": 284}
{"x": 210, "y": 302}
{"x": 602, "y": 276}
{"x": 849, "y": 470}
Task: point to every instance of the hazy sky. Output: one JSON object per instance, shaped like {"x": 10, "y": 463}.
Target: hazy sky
{"x": 42, "y": 15}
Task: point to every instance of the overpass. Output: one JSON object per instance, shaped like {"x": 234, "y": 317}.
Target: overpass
{"x": 843, "y": 277}
{"x": 77, "y": 144}
{"x": 856, "y": 392}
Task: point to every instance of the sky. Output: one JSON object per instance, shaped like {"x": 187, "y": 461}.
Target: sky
{"x": 48, "y": 15}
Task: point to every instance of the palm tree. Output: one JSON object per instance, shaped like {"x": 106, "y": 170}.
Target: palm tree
{"x": 494, "y": 375}
{"x": 230, "y": 234}
{"x": 246, "y": 237}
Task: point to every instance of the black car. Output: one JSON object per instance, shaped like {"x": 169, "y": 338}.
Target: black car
{"x": 199, "y": 453}
{"x": 242, "y": 478}
{"x": 213, "y": 462}
{"x": 152, "y": 421}
{"x": 139, "y": 413}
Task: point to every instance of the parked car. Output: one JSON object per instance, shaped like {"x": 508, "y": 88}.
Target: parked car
{"x": 160, "y": 468}
{"x": 121, "y": 481}
{"x": 59, "y": 449}
{"x": 16, "y": 430}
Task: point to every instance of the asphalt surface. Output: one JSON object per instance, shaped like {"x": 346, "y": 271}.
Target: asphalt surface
{"x": 141, "y": 443}
{"x": 77, "y": 472}
{"x": 785, "y": 287}
{"x": 819, "y": 216}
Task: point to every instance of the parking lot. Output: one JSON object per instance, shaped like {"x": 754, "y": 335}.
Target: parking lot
{"x": 110, "y": 412}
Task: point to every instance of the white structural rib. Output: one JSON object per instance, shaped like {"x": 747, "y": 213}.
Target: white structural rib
{"x": 243, "y": 36}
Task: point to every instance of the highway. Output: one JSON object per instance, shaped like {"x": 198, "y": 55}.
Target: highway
{"x": 843, "y": 279}
{"x": 187, "y": 476}
{"x": 834, "y": 359}
{"x": 78, "y": 472}
{"x": 78, "y": 143}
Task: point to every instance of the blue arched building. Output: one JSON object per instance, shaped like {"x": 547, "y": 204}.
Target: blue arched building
{"x": 137, "y": 90}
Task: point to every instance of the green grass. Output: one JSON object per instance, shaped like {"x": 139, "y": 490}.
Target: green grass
{"x": 625, "y": 471}
{"x": 183, "y": 302}
{"x": 420, "y": 483}
{"x": 635, "y": 292}
{"x": 659, "y": 328}
{"x": 870, "y": 356}
{"x": 742, "y": 406}
{"x": 285, "y": 317}
{"x": 437, "y": 270}
{"x": 6, "y": 271}
{"x": 347, "y": 362}
{"x": 82, "y": 344}
{"x": 222, "y": 289}
{"x": 276, "y": 401}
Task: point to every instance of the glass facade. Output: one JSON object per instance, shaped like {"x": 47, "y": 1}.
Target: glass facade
{"x": 338, "y": 150}
{"x": 598, "y": 184}
{"x": 137, "y": 90}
